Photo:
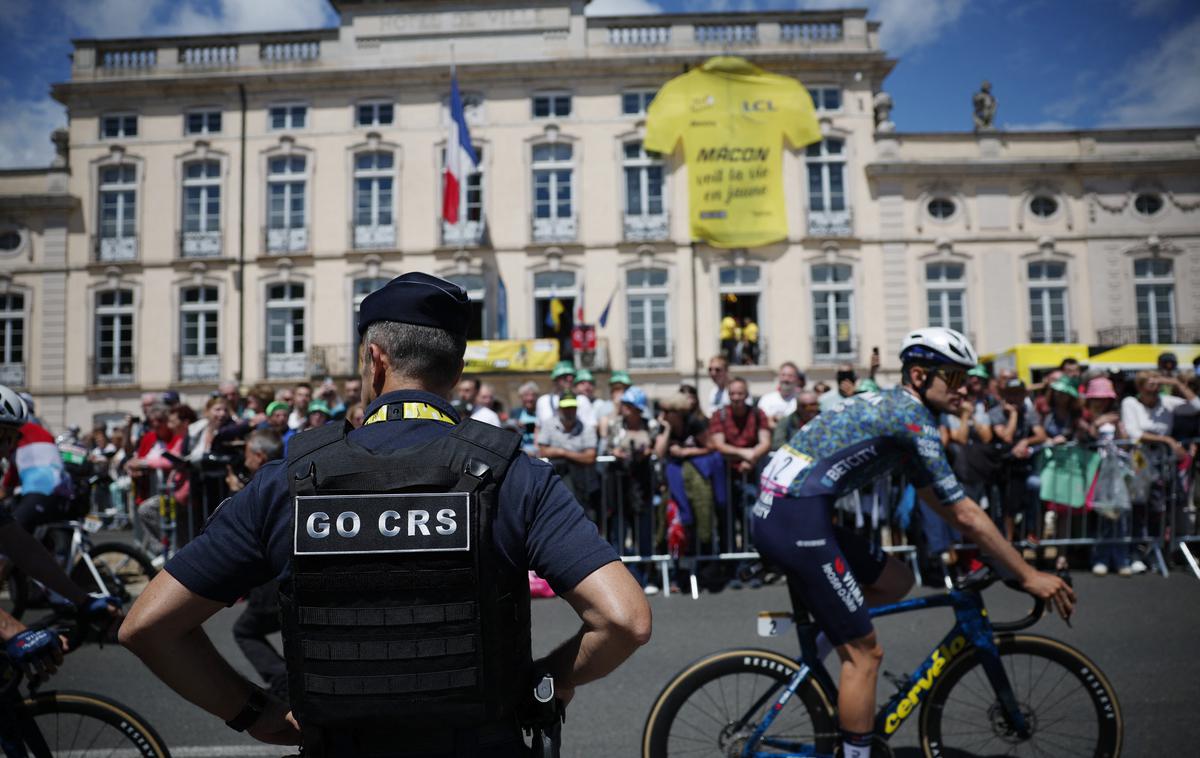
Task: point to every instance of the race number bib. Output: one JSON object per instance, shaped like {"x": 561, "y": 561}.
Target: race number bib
{"x": 777, "y": 477}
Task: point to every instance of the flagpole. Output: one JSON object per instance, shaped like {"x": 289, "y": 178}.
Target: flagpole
{"x": 462, "y": 241}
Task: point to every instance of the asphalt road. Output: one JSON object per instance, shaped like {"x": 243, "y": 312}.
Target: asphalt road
{"x": 1141, "y": 631}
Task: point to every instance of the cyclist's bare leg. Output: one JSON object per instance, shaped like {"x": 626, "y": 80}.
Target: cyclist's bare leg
{"x": 856, "y": 687}
{"x": 893, "y": 583}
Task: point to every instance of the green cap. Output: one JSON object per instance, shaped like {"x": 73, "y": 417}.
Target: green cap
{"x": 866, "y": 385}
{"x": 584, "y": 375}
{"x": 275, "y": 405}
{"x": 620, "y": 377}
{"x": 563, "y": 368}
{"x": 979, "y": 371}
{"x": 1065, "y": 386}
{"x": 319, "y": 406}
{"x": 568, "y": 401}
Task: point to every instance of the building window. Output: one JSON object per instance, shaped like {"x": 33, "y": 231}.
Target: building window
{"x": 941, "y": 208}
{"x": 199, "y": 352}
{"x": 286, "y": 206}
{"x": 826, "y": 98}
{"x": 12, "y": 339}
{"x": 649, "y": 328}
{"x": 374, "y": 113}
{"x": 118, "y": 125}
{"x": 645, "y": 216}
{"x": 476, "y": 288}
{"x": 1043, "y": 206}
{"x": 740, "y": 290}
{"x": 553, "y": 206}
{"x": 828, "y": 206}
{"x": 1154, "y": 289}
{"x": 285, "y": 330}
{"x": 552, "y": 105}
{"x": 947, "y": 295}
{"x": 1148, "y": 204}
{"x": 362, "y": 288}
{"x": 292, "y": 116}
{"x": 201, "y": 209}
{"x": 374, "y": 226}
{"x": 470, "y": 226}
{"x": 1048, "y": 319}
{"x": 833, "y": 311}
{"x": 202, "y": 122}
{"x": 636, "y": 102}
{"x": 114, "y": 336}
{"x": 118, "y": 213}
{"x": 554, "y": 294}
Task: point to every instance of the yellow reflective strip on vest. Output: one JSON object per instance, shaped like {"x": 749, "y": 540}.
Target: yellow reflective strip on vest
{"x": 412, "y": 410}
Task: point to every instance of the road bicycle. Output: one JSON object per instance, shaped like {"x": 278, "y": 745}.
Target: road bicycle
{"x": 113, "y": 568}
{"x": 49, "y": 724}
{"x": 983, "y": 691}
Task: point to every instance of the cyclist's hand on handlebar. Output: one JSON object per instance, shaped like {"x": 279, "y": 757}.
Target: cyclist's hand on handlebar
{"x": 1052, "y": 589}
{"x": 276, "y": 726}
{"x": 37, "y": 652}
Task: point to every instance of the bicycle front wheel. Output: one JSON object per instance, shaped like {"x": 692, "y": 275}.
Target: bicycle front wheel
{"x": 713, "y": 707}
{"x": 1069, "y": 706}
{"x": 125, "y": 569}
{"x": 78, "y": 724}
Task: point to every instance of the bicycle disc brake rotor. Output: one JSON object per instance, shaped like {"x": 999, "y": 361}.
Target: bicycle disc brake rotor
{"x": 732, "y": 740}
{"x": 1005, "y": 729}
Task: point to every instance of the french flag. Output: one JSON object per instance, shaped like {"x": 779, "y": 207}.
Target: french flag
{"x": 461, "y": 158}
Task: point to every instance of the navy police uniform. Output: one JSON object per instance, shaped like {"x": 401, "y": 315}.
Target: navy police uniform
{"x": 535, "y": 524}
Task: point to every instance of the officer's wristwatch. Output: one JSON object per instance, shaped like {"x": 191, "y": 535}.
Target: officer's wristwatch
{"x": 255, "y": 705}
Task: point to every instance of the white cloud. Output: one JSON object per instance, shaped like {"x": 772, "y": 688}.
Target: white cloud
{"x": 137, "y": 18}
{"x": 1163, "y": 87}
{"x": 909, "y": 24}
{"x": 25, "y": 131}
{"x": 623, "y": 8}
{"x": 1040, "y": 126}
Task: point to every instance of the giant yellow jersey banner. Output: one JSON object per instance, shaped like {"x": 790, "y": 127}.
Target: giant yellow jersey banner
{"x": 733, "y": 117}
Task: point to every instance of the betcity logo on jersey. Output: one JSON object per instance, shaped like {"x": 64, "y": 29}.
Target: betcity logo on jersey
{"x": 843, "y": 584}
{"x": 845, "y": 465}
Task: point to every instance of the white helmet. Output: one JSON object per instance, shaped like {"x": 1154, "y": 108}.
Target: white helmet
{"x": 937, "y": 344}
{"x": 12, "y": 408}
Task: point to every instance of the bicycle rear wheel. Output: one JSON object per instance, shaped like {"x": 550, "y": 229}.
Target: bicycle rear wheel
{"x": 714, "y": 705}
{"x": 125, "y": 569}
{"x": 79, "y": 724}
{"x": 1068, "y": 704}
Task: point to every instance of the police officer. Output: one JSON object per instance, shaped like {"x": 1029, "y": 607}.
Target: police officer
{"x": 402, "y": 550}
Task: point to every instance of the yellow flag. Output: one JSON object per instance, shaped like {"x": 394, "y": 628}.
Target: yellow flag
{"x": 556, "y": 312}
{"x": 733, "y": 118}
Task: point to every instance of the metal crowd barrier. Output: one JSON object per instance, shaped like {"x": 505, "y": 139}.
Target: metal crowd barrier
{"x": 1158, "y": 522}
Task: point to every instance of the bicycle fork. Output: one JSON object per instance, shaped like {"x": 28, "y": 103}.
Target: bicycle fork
{"x": 978, "y": 630}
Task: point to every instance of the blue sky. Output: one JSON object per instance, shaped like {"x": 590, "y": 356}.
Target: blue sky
{"x": 1053, "y": 64}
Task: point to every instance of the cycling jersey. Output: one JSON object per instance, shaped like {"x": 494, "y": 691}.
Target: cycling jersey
{"x": 37, "y": 465}
{"x": 861, "y": 438}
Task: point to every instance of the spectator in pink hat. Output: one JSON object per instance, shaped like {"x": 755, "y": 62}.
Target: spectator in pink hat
{"x": 1110, "y": 498}
{"x": 1100, "y": 407}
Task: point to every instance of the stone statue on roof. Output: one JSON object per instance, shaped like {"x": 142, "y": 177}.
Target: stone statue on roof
{"x": 985, "y": 107}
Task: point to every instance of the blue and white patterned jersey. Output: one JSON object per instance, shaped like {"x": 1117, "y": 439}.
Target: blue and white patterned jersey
{"x": 859, "y": 439}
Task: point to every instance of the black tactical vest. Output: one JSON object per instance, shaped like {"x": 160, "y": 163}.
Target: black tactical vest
{"x": 399, "y": 616}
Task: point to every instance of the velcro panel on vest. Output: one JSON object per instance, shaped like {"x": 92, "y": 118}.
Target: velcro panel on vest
{"x": 387, "y": 650}
{"x": 422, "y": 614}
{"x": 382, "y": 581}
{"x": 397, "y": 684}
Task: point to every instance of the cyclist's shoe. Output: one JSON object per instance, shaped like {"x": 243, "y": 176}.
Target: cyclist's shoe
{"x": 35, "y": 651}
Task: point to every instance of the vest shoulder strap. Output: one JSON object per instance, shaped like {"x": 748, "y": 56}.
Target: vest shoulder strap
{"x": 309, "y": 441}
{"x": 500, "y": 446}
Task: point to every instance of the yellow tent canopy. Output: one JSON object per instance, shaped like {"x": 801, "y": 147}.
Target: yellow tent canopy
{"x": 1024, "y": 359}
{"x": 1136, "y": 357}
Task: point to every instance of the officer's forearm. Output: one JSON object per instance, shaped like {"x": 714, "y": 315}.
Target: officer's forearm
{"x": 164, "y": 630}
{"x": 35, "y": 561}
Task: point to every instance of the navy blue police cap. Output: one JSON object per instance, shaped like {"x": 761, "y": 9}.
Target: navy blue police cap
{"x": 420, "y": 299}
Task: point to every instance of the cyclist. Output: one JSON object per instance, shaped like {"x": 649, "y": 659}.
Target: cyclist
{"x": 838, "y": 574}
{"x": 33, "y": 650}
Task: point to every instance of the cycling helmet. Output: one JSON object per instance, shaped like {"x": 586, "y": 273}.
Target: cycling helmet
{"x": 12, "y": 408}
{"x": 938, "y": 345}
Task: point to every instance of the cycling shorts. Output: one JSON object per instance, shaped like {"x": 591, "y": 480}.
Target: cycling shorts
{"x": 828, "y": 565}
{"x": 33, "y": 510}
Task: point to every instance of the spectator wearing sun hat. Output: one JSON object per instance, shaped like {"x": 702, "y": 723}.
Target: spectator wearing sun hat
{"x": 608, "y": 411}
{"x": 562, "y": 378}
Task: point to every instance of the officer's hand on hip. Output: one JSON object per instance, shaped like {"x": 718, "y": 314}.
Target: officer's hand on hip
{"x": 276, "y": 726}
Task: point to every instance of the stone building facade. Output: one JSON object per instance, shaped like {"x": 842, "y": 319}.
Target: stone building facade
{"x": 228, "y": 200}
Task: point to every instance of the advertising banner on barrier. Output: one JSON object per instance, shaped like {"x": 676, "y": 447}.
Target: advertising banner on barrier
{"x": 733, "y": 117}
{"x": 490, "y": 356}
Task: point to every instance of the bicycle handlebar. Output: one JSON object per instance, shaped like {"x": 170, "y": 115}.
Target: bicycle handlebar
{"x": 981, "y": 579}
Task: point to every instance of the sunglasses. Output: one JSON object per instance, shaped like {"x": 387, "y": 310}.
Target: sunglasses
{"x": 953, "y": 377}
